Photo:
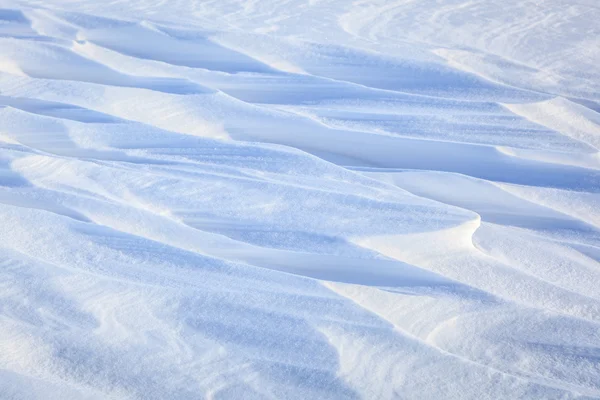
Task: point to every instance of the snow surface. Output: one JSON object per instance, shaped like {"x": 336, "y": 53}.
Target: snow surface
{"x": 290, "y": 199}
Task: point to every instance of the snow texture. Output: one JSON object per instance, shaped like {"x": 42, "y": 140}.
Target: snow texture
{"x": 299, "y": 199}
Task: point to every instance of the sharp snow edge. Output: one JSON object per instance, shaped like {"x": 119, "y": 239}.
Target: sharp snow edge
{"x": 280, "y": 199}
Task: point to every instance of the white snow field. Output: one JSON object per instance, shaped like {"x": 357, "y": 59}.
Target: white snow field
{"x": 299, "y": 199}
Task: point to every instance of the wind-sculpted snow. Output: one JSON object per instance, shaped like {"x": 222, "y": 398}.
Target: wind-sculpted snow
{"x": 243, "y": 199}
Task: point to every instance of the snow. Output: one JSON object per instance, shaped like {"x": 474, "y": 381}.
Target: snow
{"x": 288, "y": 199}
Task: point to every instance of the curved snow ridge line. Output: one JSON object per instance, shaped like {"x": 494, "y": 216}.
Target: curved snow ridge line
{"x": 495, "y": 202}
{"x": 352, "y": 156}
{"x": 39, "y": 250}
{"x": 93, "y": 49}
{"x": 498, "y": 205}
{"x": 56, "y": 57}
{"x": 489, "y": 272}
{"x": 160, "y": 226}
{"x": 59, "y": 63}
{"x": 172, "y": 229}
{"x": 57, "y": 109}
{"x": 179, "y": 48}
{"x": 573, "y": 159}
{"x": 247, "y": 83}
{"x": 355, "y": 294}
{"x": 447, "y": 148}
{"x": 318, "y": 266}
{"x": 62, "y": 144}
{"x": 564, "y": 116}
{"x": 581, "y": 206}
{"x": 185, "y": 48}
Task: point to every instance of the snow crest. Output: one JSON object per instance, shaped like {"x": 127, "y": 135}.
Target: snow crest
{"x": 243, "y": 199}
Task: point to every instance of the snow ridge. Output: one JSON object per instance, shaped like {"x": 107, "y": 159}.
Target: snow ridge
{"x": 299, "y": 200}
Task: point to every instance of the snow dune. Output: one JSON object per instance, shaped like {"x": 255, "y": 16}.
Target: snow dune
{"x": 242, "y": 199}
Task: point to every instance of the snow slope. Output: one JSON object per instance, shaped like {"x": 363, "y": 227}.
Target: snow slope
{"x": 290, "y": 199}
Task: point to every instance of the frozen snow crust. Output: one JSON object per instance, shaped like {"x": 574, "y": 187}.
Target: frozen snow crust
{"x": 290, "y": 199}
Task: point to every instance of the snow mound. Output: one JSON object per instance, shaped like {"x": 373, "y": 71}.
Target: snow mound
{"x": 299, "y": 200}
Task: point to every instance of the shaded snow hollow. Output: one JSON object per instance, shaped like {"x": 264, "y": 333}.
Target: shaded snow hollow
{"x": 289, "y": 199}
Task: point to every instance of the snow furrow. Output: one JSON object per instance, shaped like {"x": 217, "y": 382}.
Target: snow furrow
{"x": 299, "y": 199}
